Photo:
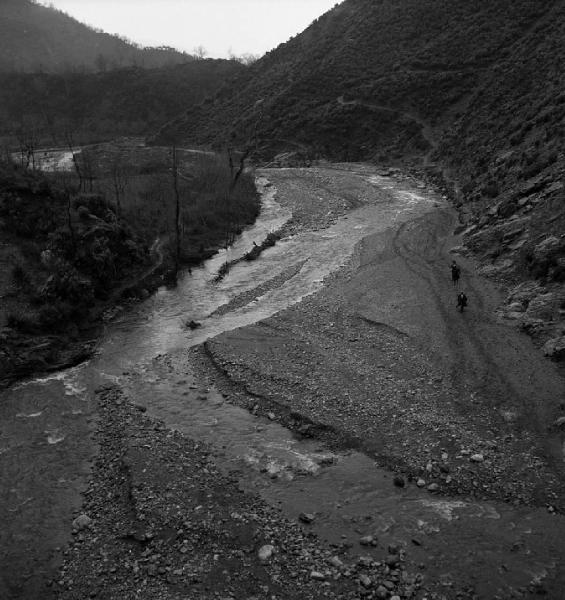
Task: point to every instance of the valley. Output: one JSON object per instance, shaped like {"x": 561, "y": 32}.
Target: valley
{"x": 234, "y": 364}
{"x": 346, "y": 389}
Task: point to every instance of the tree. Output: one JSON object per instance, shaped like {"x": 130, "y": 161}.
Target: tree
{"x": 200, "y": 52}
{"x": 120, "y": 180}
{"x": 177, "y": 208}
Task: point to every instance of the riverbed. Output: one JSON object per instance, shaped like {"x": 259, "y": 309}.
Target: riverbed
{"x": 47, "y": 423}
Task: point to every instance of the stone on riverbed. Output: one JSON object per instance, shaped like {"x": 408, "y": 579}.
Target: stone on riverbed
{"x": 82, "y": 522}
{"x": 265, "y": 552}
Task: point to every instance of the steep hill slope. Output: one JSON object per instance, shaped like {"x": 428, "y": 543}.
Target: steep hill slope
{"x": 382, "y": 59}
{"x": 474, "y": 88}
{"x": 35, "y": 37}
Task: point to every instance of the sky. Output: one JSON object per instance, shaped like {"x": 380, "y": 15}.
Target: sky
{"x": 222, "y": 27}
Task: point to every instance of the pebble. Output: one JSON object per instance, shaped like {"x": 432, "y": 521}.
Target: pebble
{"x": 317, "y": 576}
{"x": 82, "y": 522}
{"x": 367, "y": 540}
{"x": 265, "y": 552}
{"x": 477, "y": 458}
{"x": 391, "y": 561}
{"x": 306, "y": 517}
{"x": 365, "y": 581}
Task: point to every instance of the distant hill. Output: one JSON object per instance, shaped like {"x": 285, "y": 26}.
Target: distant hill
{"x": 44, "y": 108}
{"x": 468, "y": 88}
{"x": 40, "y": 38}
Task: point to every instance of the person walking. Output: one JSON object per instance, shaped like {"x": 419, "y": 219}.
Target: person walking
{"x": 461, "y": 301}
{"x": 455, "y": 273}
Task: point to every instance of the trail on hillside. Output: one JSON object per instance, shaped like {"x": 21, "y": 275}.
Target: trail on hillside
{"x": 427, "y": 131}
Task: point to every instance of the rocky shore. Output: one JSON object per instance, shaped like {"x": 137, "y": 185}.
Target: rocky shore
{"x": 444, "y": 404}
{"x": 160, "y": 521}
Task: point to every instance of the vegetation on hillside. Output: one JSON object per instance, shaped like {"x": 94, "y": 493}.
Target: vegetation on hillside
{"x": 34, "y": 37}
{"x": 74, "y": 244}
{"x": 52, "y": 109}
{"x": 416, "y": 57}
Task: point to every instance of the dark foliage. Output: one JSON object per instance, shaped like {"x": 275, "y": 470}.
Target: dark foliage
{"x": 52, "y": 108}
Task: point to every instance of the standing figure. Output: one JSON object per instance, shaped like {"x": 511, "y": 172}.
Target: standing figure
{"x": 455, "y": 273}
{"x": 461, "y": 301}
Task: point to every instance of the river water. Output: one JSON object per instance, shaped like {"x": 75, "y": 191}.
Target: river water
{"x": 45, "y": 442}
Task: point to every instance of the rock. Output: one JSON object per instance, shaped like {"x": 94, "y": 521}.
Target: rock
{"x": 399, "y": 481}
{"x": 367, "y": 540}
{"x": 271, "y": 416}
{"x": 306, "y": 517}
{"x": 544, "y": 307}
{"x": 82, "y": 522}
{"x": 477, "y": 458}
{"x": 193, "y": 324}
{"x": 317, "y": 576}
{"x": 560, "y": 423}
{"x": 381, "y": 592}
{"x": 265, "y": 552}
{"x": 547, "y": 247}
{"x": 421, "y": 483}
{"x": 336, "y": 562}
{"x": 365, "y": 581}
{"x": 433, "y": 487}
{"x": 391, "y": 560}
{"x": 555, "y": 348}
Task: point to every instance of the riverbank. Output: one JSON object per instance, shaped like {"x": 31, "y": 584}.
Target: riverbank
{"x": 70, "y": 260}
{"x": 372, "y": 366}
{"x": 440, "y": 404}
{"x": 161, "y": 521}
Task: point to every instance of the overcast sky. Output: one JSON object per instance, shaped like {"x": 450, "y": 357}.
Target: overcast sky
{"x": 221, "y": 26}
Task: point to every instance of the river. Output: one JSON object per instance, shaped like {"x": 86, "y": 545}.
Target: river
{"x": 46, "y": 444}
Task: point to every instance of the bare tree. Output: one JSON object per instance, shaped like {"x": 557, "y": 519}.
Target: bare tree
{"x": 177, "y": 207}
{"x": 120, "y": 180}
{"x": 28, "y": 134}
{"x": 200, "y": 52}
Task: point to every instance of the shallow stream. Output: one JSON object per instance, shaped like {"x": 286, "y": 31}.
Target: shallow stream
{"x": 45, "y": 445}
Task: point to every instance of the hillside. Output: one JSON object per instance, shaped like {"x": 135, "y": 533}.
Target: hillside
{"x": 95, "y": 106}
{"x": 40, "y": 38}
{"x": 468, "y": 89}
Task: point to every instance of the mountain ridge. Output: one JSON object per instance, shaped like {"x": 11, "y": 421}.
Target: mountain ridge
{"x": 34, "y": 37}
